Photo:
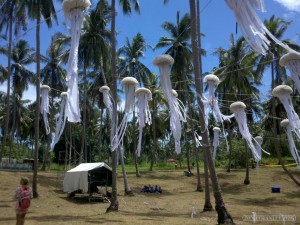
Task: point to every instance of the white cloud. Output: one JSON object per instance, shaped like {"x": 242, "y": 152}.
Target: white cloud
{"x": 292, "y": 5}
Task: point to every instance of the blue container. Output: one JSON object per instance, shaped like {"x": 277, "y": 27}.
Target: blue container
{"x": 275, "y": 189}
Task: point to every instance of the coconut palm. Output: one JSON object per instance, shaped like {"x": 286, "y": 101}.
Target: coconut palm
{"x": 36, "y": 10}
{"x": 11, "y": 13}
{"x": 223, "y": 214}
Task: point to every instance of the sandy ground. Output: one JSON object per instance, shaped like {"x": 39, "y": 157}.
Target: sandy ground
{"x": 173, "y": 206}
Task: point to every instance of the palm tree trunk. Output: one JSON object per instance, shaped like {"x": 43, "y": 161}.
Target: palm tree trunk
{"x": 8, "y": 86}
{"x": 274, "y": 114}
{"x": 137, "y": 172}
{"x": 100, "y": 133}
{"x": 154, "y": 149}
{"x": 247, "y": 179}
{"x": 83, "y": 150}
{"x": 114, "y": 205}
{"x": 12, "y": 128}
{"x": 37, "y": 112}
{"x": 127, "y": 188}
{"x": 230, "y": 150}
{"x": 223, "y": 214}
{"x": 207, "y": 203}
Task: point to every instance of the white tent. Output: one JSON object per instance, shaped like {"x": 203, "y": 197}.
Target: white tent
{"x": 79, "y": 177}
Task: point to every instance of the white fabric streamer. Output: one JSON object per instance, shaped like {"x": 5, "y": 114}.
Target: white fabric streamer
{"x": 44, "y": 107}
{"x": 287, "y": 125}
{"x": 61, "y": 118}
{"x": 107, "y": 100}
{"x": 143, "y": 96}
{"x": 238, "y": 108}
{"x": 252, "y": 28}
{"x": 283, "y": 93}
{"x": 259, "y": 141}
{"x": 198, "y": 139}
{"x": 177, "y": 113}
{"x": 74, "y": 11}
{"x": 216, "y": 141}
{"x": 129, "y": 83}
{"x": 292, "y": 61}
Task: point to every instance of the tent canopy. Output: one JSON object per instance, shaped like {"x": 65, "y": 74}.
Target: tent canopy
{"x": 81, "y": 176}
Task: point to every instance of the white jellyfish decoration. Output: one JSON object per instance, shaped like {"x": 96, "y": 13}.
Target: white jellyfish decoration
{"x": 61, "y": 118}
{"x": 177, "y": 113}
{"x": 258, "y": 143}
{"x": 143, "y": 95}
{"x": 216, "y": 141}
{"x": 282, "y": 92}
{"x": 252, "y": 28}
{"x": 288, "y": 128}
{"x": 107, "y": 99}
{"x": 198, "y": 139}
{"x": 74, "y": 11}
{"x": 291, "y": 60}
{"x": 238, "y": 108}
{"x": 128, "y": 83}
{"x": 44, "y": 107}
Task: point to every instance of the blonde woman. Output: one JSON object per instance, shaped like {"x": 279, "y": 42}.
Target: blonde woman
{"x": 23, "y": 196}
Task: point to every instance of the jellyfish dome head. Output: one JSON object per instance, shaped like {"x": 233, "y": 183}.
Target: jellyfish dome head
{"x": 217, "y": 129}
{"x": 291, "y": 56}
{"x": 129, "y": 81}
{"x": 104, "y": 88}
{"x": 236, "y": 106}
{"x": 282, "y": 90}
{"x": 45, "y": 87}
{"x": 258, "y": 138}
{"x": 211, "y": 78}
{"x": 145, "y": 91}
{"x": 69, "y": 5}
{"x": 285, "y": 123}
{"x": 64, "y": 94}
{"x": 163, "y": 59}
{"x": 174, "y": 93}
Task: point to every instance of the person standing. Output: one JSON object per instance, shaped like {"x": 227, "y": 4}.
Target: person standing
{"x": 23, "y": 196}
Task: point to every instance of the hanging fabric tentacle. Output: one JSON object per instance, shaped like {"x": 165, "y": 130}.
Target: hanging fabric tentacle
{"x": 144, "y": 116}
{"x": 198, "y": 139}
{"x": 295, "y": 153}
{"x": 128, "y": 83}
{"x": 259, "y": 141}
{"x": 44, "y": 107}
{"x": 74, "y": 11}
{"x": 252, "y": 28}
{"x": 177, "y": 113}
{"x": 238, "y": 108}
{"x": 60, "y": 119}
{"x": 216, "y": 141}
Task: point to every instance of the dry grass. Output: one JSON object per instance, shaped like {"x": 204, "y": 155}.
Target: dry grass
{"x": 173, "y": 206}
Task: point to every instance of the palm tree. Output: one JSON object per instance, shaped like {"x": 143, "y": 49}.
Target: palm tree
{"x": 11, "y": 12}
{"x": 179, "y": 47}
{"x": 223, "y": 214}
{"x": 36, "y": 10}
{"x": 126, "y": 7}
{"x": 130, "y": 65}
{"x": 277, "y": 27}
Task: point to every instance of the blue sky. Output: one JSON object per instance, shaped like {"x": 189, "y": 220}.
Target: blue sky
{"x": 217, "y": 23}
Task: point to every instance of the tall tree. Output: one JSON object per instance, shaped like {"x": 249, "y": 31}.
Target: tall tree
{"x": 11, "y": 12}
{"x": 36, "y": 10}
{"x": 126, "y": 7}
{"x": 223, "y": 214}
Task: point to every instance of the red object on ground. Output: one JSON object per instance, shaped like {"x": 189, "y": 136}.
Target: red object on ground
{"x": 171, "y": 160}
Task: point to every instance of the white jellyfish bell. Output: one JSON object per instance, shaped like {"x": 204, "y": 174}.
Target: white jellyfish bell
{"x": 238, "y": 108}
{"x": 177, "y": 113}
{"x": 44, "y": 107}
{"x": 61, "y": 118}
{"x": 292, "y": 61}
{"x": 216, "y": 141}
{"x": 143, "y": 96}
{"x": 74, "y": 11}
{"x": 128, "y": 83}
{"x": 288, "y": 128}
{"x": 283, "y": 93}
{"x": 107, "y": 99}
{"x": 252, "y": 28}
{"x": 212, "y": 81}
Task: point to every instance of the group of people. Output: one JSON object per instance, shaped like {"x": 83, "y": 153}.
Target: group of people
{"x": 151, "y": 189}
